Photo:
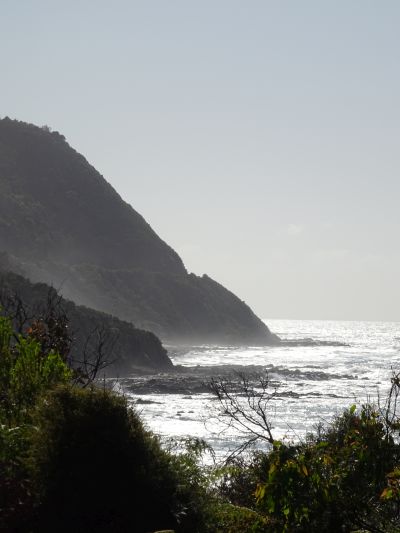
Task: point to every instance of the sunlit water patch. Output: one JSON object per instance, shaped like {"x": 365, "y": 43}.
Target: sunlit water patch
{"x": 320, "y": 369}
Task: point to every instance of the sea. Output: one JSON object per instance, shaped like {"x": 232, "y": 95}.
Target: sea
{"x": 320, "y": 369}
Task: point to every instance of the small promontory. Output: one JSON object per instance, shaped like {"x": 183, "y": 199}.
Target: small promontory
{"x": 123, "y": 347}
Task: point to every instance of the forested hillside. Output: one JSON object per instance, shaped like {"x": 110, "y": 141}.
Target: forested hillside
{"x": 123, "y": 347}
{"x": 65, "y": 225}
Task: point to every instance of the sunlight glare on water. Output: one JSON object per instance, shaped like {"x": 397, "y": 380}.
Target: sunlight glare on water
{"x": 347, "y": 362}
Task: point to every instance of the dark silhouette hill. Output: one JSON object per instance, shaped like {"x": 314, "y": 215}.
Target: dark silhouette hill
{"x": 63, "y": 224}
{"x": 126, "y": 347}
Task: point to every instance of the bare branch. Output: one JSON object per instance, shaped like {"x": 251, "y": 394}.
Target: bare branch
{"x": 95, "y": 355}
{"x": 244, "y": 400}
{"x": 48, "y": 322}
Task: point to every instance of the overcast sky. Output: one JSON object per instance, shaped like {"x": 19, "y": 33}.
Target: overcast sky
{"x": 260, "y": 139}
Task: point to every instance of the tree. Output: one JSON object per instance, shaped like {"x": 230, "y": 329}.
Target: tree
{"x": 244, "y": 401}
{"x": 48, "y": 323}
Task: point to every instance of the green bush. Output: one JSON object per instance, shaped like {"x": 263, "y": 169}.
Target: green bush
{"x": 16, "y": 498}
{"x": 95, "y": 468}
{"x": 26, "y": 372}
{"x": 228, "y": 518}
{"x": 81, "y": 460}
{"x": 334, "y": 481}
{"x": 240, "y": 477}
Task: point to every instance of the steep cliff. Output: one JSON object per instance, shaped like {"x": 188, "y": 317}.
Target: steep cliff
{"x": 65, "y": 225}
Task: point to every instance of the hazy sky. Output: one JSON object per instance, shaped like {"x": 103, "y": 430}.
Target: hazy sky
{"x": 261, "y": 139}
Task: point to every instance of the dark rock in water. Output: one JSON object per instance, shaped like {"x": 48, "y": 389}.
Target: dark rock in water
{"x": 310, "y": 342}
{"x": 189, "y": 380}
{"x": 127, "y": 346}
{"x": 66, "y": 226}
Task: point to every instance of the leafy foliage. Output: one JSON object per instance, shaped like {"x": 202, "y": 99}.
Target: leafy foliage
{"x": 228, "y": 518}
{"x": 26, "y": 371}
{"x": 79, "y": 459}
{"x": 93, "y": 456}
{"x": 334, "y": 481}
{"x": 16, "y": 498}
{"x": 344, "y": 477}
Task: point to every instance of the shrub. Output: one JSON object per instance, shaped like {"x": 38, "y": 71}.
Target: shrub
{"x": 26, "y": 371}
{"x": 16, "y": 498}
{"x": 81, "y": 460}
{"x": 96, "y": 468}
{"x": 334, "y": 481}
{"x": 229, "y": 518}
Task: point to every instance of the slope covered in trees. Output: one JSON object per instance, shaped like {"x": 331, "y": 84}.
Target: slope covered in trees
{"x": 93, "y": 334}
{"x": 65, "y": 225}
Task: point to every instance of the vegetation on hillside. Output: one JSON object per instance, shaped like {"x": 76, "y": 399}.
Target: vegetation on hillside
{"x": 75, "y": 456}
{"x": 66, "y": 226}
{"x": 124, "y": 346}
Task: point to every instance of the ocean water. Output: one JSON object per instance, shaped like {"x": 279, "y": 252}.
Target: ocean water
{"x": 321, "y": 368}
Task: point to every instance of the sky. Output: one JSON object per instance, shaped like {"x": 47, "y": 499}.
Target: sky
{"x": 260, "y": 139}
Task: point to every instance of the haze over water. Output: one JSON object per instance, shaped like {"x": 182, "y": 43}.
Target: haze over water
{"x": 350, "y": 363}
